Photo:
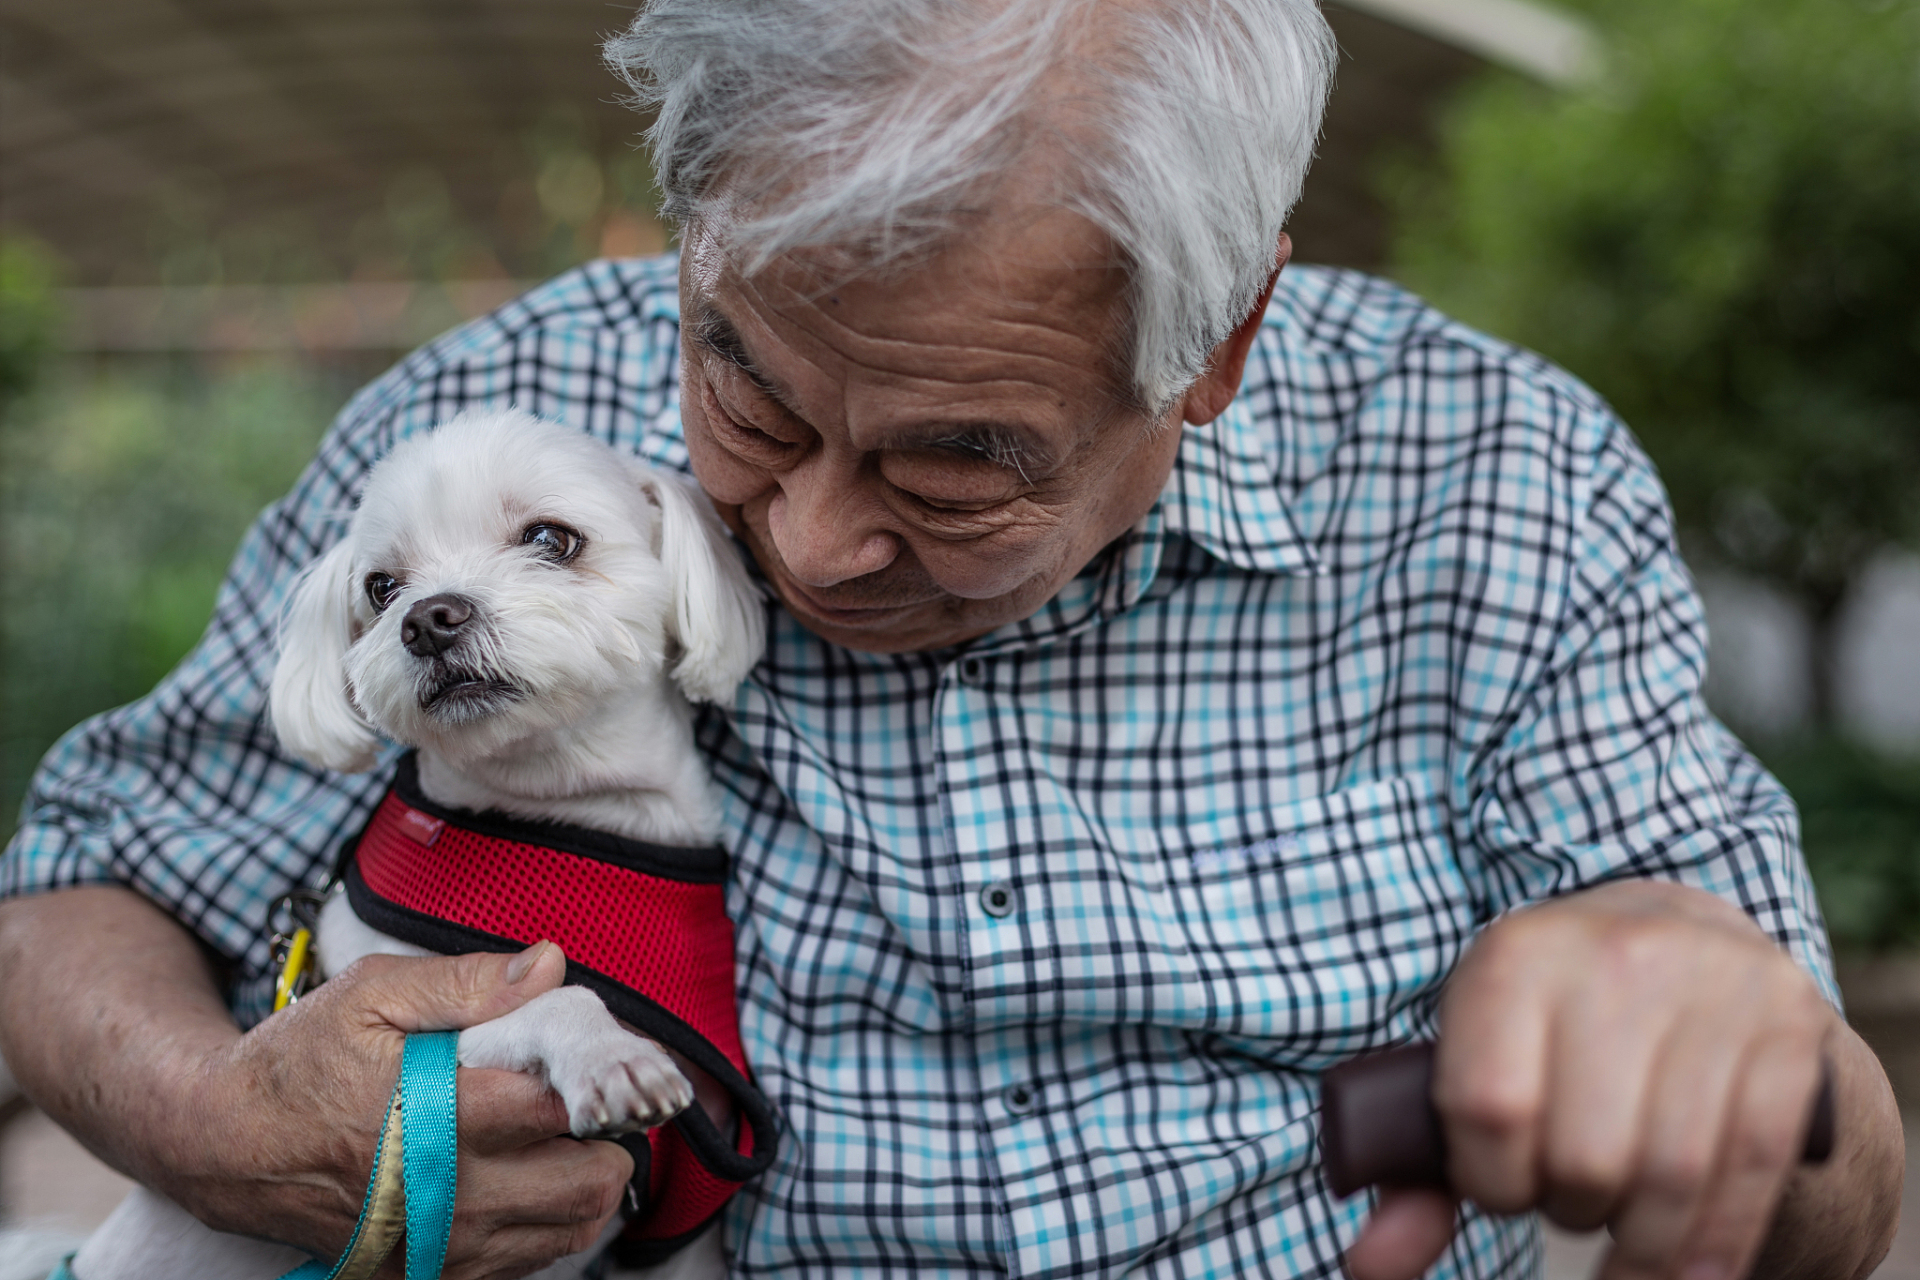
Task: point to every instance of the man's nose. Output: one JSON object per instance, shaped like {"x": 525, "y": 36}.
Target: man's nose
{"x": 827, "y": 528}
{"x": 432, "y": 625}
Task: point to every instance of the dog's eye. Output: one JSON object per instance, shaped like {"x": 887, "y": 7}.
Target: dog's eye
{"x": 381, "y": 589}
{"x": 553, "y": 542}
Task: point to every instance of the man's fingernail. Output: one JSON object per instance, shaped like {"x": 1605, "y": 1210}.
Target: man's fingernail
{"x": 1705, "y": 1269}
{"x": 522, "y": 965}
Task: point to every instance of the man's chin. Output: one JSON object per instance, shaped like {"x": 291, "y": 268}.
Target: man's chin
{"x": 883, "y": 628}
{"x": 818, "y": 615}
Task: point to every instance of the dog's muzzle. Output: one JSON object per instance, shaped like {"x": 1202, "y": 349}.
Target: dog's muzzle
{"x": 433, "y": 625}
{"x": 453, "y": 691}
{"x": 439, "y": 631}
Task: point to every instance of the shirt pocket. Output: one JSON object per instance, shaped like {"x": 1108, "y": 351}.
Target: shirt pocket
{"x": 1327, "y": 936}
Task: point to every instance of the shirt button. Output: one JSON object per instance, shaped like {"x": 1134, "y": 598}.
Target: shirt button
{"x": 997, "y": 899}
{"x": 1020, "y": 1098}
{"x": 971, "y": 669}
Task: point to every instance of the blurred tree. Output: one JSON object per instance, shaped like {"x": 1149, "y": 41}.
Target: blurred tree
{"x": 1721, "y": 235}
{"x": 1860, "y": 823}
{"x": 121, "y": 497}
{"x": 29, "y": 315}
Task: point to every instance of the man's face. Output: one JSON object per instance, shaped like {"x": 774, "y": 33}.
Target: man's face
{"x": 918, "y": 459}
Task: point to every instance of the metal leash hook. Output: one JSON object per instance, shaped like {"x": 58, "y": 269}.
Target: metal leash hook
{"x": 1379, "y": 1128}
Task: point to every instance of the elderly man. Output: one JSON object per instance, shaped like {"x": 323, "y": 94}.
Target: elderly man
{"x": 1179, "y": 682}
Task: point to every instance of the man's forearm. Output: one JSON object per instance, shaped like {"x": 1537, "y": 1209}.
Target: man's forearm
{"x": 113, "y": 1022}
{"x": 111, "y": 1010}
{"x": 1836, "y": 1220}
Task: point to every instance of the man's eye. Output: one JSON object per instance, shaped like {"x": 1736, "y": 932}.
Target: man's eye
{"x": 725, "y": 419}
{"x": 936, "y": 491}
{"x": 553, "y": 542}
{"x": 753, "y": 439}
{"x": 960, "y": 506}
{"x": 381, "y": 589}
{"x": 754, "y": 434}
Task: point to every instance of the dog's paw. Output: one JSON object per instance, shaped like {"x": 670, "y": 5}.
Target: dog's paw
{"x": 618, "y": 1083}
{"x": 611, "y": 1080}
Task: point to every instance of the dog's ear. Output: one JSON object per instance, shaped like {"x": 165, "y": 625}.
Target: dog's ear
{"x": 717, "y": 615}
{"x": 309, "y": 704}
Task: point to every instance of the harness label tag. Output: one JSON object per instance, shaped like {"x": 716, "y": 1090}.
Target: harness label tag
{"x": 420, "y": 827}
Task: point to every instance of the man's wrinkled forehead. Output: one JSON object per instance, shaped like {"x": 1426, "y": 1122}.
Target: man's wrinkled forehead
{"x": 1024, "y": 301}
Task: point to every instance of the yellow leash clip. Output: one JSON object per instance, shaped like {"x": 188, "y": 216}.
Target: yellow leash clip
{"x": 296, "y": 971}
{"x": 293, "y": 957}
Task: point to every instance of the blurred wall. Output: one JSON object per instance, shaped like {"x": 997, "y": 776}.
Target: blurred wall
{"x": 1757, "y": 657}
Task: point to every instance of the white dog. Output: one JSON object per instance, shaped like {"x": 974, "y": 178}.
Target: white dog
{"x": 532, "y": 612}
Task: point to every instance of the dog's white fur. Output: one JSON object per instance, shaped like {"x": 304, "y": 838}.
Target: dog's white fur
{"x": 565, "y": 696}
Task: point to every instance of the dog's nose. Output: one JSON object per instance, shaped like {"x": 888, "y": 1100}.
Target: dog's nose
{"x": 432, "y": 625}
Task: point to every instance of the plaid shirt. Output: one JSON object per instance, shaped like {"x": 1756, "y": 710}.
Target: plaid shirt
{"x": 1044, "y": 940}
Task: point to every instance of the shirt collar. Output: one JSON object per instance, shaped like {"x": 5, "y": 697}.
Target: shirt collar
{"x": 1224, "y": 496}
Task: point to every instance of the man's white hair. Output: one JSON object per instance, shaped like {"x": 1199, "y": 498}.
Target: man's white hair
{"x": 1181, "y": 128}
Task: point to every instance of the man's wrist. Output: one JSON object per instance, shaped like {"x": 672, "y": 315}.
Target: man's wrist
{"x": 185, "y": 1118}
{"x": 1837, "y": 1219}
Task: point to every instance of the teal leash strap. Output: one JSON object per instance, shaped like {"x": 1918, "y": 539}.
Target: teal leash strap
{"x": 318, "y": 1270}
{"x": 429, "y": 1127}
{"x": 429, "y": 1160}
{"x": 429, "y": 1137}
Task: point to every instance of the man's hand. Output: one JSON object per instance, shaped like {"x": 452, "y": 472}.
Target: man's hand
{"x": 1641, "y": 1056}
{"x": 304, "y": 1093}
{"x": 113, "y": 1024}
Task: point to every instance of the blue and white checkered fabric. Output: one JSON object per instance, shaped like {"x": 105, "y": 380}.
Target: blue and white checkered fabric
{"x": 1043, "y": 942}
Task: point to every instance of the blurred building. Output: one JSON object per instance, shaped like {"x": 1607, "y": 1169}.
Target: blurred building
{"x": 128, "y": 125}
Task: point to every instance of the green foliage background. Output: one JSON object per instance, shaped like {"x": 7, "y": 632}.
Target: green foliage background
{"x": 1860, "y": 825}
{"x": 560, "y": 183}
{"x": 122, "y": 494}
{"x": 1721, "y": 233}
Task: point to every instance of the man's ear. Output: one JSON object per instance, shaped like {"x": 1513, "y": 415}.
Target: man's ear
{"x": 1209, "y": 397}
{"x": 717, "y": 615}
{"x": 309, "y": 704}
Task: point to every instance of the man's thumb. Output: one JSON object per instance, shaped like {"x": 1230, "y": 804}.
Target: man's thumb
{"x": 452, "y": 993}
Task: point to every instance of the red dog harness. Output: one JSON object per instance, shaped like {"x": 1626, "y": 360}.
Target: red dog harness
{"x": 643, "y": 925}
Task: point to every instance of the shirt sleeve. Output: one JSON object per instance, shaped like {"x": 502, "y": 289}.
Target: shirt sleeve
{"x": 1611, "y": 766}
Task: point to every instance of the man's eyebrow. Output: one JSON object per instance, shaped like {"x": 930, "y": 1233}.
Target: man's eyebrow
{"x": 994, "y": 442}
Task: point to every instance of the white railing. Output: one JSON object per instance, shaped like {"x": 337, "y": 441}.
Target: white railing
{"x": 1537, "y": 40}
{"x": 387, "y": 315}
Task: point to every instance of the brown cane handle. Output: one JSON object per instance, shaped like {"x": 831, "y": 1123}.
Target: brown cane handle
{"x": 1378, "y": 1126}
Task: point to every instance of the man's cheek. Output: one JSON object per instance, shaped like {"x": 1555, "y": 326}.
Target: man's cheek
{"x": 727, "y": 480}
{"x": 993, "y": 567}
